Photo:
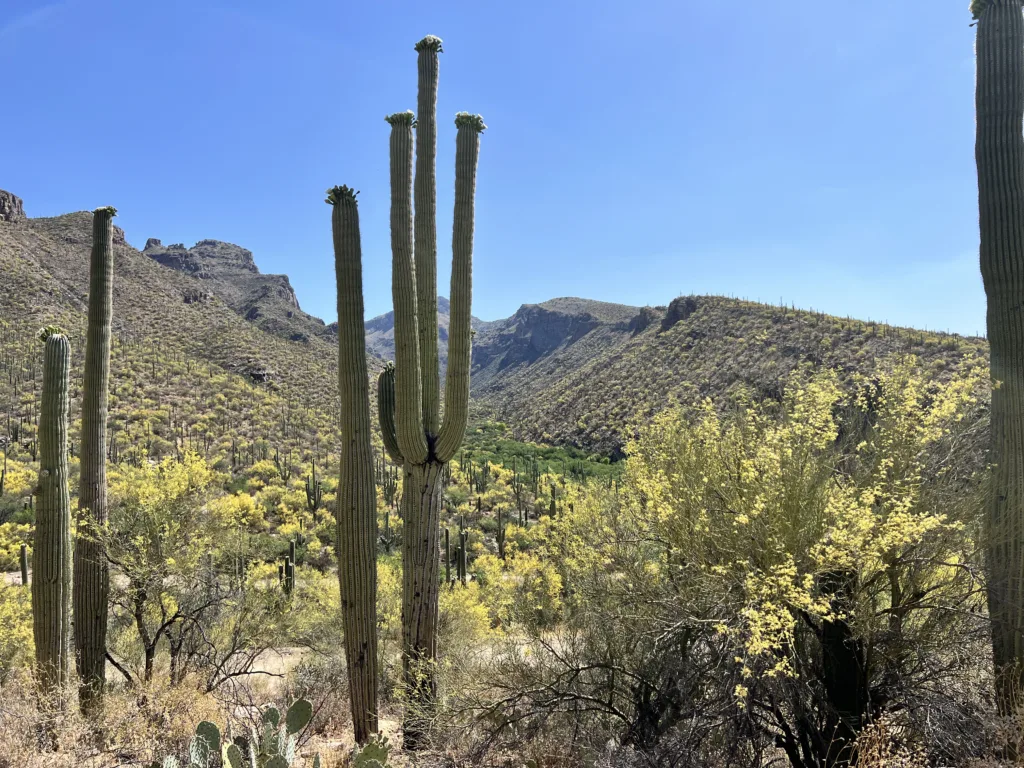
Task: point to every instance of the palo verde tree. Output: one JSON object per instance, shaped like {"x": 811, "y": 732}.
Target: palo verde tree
{"x": 51, "y": 551}
{"x": 91, "y": 576}
{"x": 999, "y": 152}
{"x": 415, "y": 435}
{"x": 357, "y": 493}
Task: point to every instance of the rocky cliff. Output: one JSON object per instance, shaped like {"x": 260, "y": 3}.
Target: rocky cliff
{"x": 230, "y": 272}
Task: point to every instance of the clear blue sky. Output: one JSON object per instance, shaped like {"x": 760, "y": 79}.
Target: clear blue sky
{"x": 821, "y": 153}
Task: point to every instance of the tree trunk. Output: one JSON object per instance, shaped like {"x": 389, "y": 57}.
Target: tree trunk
{"x": 844, "y": 673}
{"x": 421, "y": 574}
{"x": 999, "y": 152}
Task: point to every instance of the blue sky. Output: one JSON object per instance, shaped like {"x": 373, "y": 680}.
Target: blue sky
{"x": 817, "y": 153}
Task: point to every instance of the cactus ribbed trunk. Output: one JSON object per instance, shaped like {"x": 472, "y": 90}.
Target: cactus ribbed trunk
{"x": 421, "y": 575}
{"x": 425, "y": 228}
{"x": 357, "y": 493}
{"x": 408, "y": 394}
{"x": 91, "y": 577}
{"x": 999, "y": 152}
{"x": 51, "y": 551}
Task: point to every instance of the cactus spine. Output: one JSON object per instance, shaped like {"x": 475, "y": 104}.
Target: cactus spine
{"x": 91, "y": 577}
{"x": 415, "y": 435}
{"x": 357, "y": 493}
{"x": 51, "y": 551}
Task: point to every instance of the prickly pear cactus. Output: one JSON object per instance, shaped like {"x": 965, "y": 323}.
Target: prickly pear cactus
{"x": 373, "y": 754}
{"x": 274, "y": 747}
{"x": 231, "y": 756}
{"x": 298, "y": 716}
{"x": 204, "y": 745}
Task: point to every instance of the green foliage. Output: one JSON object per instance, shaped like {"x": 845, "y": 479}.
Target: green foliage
{"x": 725, "y": 540}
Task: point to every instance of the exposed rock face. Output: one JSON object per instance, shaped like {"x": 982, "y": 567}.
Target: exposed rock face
{"x": 679, "y": 309}
{"x": 176, "y": 257}
{"x": 536, "y": 331}
{"x": 227, "y": 256}
{"x": 380, "y": 332}
{"x": 644, "y": 319}
{"x": 195, "y": 296}
{"x": 11, "y": 207}
{"x": 230, "y": 272}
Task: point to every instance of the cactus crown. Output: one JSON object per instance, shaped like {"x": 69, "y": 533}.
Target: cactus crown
{"x": 978, "y": 7}
{"x": 343, "y": 194}
{"x": 107, "y": 209}
{"x": 469, "y": 120}
{"x": 429, "y": 43}
{"x": 51, "y": 330}
{"x": 401, "y": 118}
{"x": 389, "y": 366}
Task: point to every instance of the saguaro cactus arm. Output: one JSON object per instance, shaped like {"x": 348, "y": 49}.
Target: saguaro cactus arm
{"x": 408, "y": 385}
{"x": 425, "y": 228}
{"x": 456, "y": 396}
{"x": 386, "y": 412}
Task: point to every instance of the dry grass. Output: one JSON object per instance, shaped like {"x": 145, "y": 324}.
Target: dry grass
{"x": 138, "y": 726}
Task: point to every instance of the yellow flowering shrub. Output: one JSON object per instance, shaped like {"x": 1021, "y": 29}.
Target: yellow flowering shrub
{"x": 16, "y": 644}
{"x": 12, "y": 536}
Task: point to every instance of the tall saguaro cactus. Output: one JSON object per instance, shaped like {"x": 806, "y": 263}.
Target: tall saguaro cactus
{"x": 51, "y": 551}
{"x": 415, "y": 435}
{"x": 999, "y": 152}
{"x": 91, "y": 577}
{"x": 357, "y": 492}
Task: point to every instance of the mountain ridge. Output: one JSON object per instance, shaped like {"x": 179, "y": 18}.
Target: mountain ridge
{"x": 567, "y": 371}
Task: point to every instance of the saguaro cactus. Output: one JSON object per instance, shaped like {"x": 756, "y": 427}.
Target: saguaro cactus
{"x": 415, "y": 435}
{"x": 357, "y": 493}
{"x": 314, "y": 493}
{"x": 51, "y": 551}
{"x": 999, "y": 151}
{"x": 91, "y": 577}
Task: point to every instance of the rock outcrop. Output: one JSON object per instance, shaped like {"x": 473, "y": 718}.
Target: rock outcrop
{"x": 11, "y": 207}
{"x": 679, "y": 309}
{"x": 229, "y": 272}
